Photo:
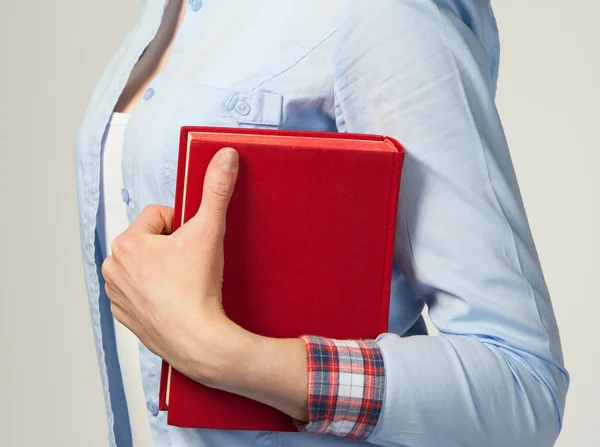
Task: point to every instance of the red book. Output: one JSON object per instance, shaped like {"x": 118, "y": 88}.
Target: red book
{"x": 308, "y": 248}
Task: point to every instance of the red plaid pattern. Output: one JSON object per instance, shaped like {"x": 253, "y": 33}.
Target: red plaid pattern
{"x": 346, "y": 380}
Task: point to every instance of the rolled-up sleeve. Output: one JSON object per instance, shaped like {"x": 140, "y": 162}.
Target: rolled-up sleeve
{"x": 345, "y": 386}
{"x": 494, "y": 376}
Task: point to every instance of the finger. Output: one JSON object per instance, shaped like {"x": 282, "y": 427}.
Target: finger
{"x": 115, "y": 295}
{"x": 111, "y": 270}
{"x": 219, "y": 183}
{"x": 106, "y": 268}
{"x": 154, "y": 219}
{"x": 120, "y": 314}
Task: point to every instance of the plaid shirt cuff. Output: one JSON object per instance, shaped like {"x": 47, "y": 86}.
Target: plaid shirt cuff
{"x": 346, "y": 380}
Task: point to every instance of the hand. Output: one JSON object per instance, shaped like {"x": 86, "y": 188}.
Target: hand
{"x": 166, "y": 287}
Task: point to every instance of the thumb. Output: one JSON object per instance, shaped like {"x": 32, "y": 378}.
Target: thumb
{"x": 219, "y": 182}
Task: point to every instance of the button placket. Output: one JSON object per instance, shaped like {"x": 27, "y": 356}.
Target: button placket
{"x": 195, "y": 5}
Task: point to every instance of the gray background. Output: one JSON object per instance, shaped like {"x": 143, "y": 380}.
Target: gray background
{"x": 52, "y": 55}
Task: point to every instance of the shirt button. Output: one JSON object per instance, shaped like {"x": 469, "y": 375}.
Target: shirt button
{"x": 242, "y": 107}
{"x": 148, "y": 94}
{"x": 195, "y": 4}
{"x": 125, "y": 195}
{"x": 152, "y": 408}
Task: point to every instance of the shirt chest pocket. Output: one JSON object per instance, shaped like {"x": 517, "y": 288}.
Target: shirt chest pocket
{"x": 203, "y": 105}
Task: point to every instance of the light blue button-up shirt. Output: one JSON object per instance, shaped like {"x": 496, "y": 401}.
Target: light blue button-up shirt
{"x": 423, "y": 72}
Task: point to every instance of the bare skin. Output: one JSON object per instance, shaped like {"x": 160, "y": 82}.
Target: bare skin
{"x": 154, "y": 59}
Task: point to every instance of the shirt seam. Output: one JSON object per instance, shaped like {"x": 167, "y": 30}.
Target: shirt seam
{"x": 320, "y": 37}
{"x": 484, "y": 166}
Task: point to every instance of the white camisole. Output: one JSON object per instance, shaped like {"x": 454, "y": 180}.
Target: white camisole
{"x": 112, "y": 221}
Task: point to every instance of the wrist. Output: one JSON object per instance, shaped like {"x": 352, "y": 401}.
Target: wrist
{"x": 269, "y": 370}
{"x": 219, "y": 350}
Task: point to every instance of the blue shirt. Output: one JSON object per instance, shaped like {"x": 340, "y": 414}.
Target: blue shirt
{"x": 423, "y": 72}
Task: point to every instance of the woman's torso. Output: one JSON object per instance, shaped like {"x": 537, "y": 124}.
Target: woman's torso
{"x": 247, "y": 64}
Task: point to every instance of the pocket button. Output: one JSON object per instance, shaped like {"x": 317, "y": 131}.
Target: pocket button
{"x": 242, "y": 107}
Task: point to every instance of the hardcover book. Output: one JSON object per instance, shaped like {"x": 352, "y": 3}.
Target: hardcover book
{"x": 308, "y": 248}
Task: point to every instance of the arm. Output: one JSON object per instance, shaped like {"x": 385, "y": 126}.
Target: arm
{"x": 495, "y": 374}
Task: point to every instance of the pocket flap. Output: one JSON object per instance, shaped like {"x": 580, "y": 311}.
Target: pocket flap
{"x": 256, "y": 108}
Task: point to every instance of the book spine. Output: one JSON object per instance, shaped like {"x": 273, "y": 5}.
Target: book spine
{"x": 391, "y": 235}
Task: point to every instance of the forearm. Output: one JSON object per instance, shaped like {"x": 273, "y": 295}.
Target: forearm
{"x": 459, "y": 390}
{"x": 269, "y": 370}
{"x": 455, "y": 388}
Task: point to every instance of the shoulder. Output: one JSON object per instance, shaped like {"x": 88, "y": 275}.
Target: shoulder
{"x": 389, "y": 16}
{"x": 393, "y": 35}
{"x": 404, "y": 29}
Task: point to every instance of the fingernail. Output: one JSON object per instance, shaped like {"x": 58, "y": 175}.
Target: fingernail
{"x": 229, "y": 159}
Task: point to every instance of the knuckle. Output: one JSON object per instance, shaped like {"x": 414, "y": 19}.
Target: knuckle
{"x": 107, "y": 270}
{"x": 121, "y": 244}
{"x": 151, "y": 208}
{"x": 115, "y": 247}
{"x": 220, "y": 188}
{"x": 108, "y": 289}
{"x": 154, "y": 209}
{"x": 116, "y": 311}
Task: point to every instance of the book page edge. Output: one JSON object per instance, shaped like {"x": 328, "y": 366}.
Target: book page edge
{"x": 187, "y": 162}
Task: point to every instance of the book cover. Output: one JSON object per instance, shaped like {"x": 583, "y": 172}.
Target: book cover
{"x": 308, "y": 248}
